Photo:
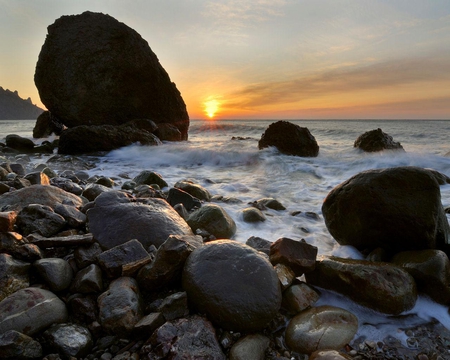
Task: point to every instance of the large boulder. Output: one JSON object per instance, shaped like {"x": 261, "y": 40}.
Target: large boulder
{"x": 396, "y": 209}
{"x": 376, "y": 140}
{"x": 289, "y": 139}
{"x": 235, "y": 285}
{"x": 95, "y": 70}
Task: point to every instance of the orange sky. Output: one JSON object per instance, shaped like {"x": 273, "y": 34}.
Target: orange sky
{"x": 270, "y": 59}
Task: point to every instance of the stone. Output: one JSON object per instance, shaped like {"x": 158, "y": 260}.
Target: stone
{"x": 168, "y": 132}
{"x": 37, "y": 194}
{"x": 174, "y": 306}
{"x": 329, "y": 355}
{"x": 46, "y": 124}
{"x": 431, "y": 271}
{"x": 19, "y": 143}
{"x": 13, "y": 275}
{"x": 88, "y": 280}
{"x": 383, "y": 287}
{"x": 397, "y": 209}
{"x": 7, "y": 221}
{"x": 193, "y": 337}
{"x": 320, "y": 328}
{"x": 120, "y": 307}
{"x": 113, "y": 261}
{"x": 69, "y": 340}
{"x": 61, "y": 241}
{"x": 285, "y": 275}
{"x": 56, "y": 273}
{"x": 116, "y": 219}
{"x": 269, "y": 203}
{"x": 90, "y": 61}
{"x": 17, "y": 346}
{"x": 83, "y": 308}
{"x": 289, "y": 139}
{"x": 240, "y": 295}
{"x": 31, "y": 310}
{"x": 178, "y": 196}
{"x": 214, "y": 219}
{"x": 148, "y": 324}
{"x": 376, "y": 140}
{"x": 195, "y": 190}
{"x": 40, "y": 219}
{"x": 37, "y": 178}
{"x": 66, "y": 185}
{"x": 92, "y": 191}
{"x": 74, "y": 217}
{"x": 251, "y": 347}
{"x": 259, "y": 244}
{"x": 299, "y": 297}
{"x": 297, "y": 255}
{"x": 253, "y": 215}
{"x": 147, "y": 177}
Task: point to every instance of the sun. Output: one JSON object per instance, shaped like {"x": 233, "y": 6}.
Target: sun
{"x": 211, "y": 107}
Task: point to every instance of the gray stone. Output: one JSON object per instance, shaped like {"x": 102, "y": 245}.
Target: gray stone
{"x": 178, "y": 196}
{"x": 253, "y": 215}
{"x": 148, "y": 324}
{"x": 259, "y": 244}
{"x": 68, "y": 340}
{"x": 93, "y": 190}
{"x": 13, "y": 275}
{"x": 174, "y": 306}
{"x": 195, "y": 190}
{"x": 214, "y": 219}
{"x": 88, "y": 280}
{"x": 74, "y": 217}
{"x": 270, "y": 203}
{"x": 251, "y": 347}
{"x": 17, "y": 346}
{"x": 57, "y": 273}
{"x": 329, "y": 355}
{"x": 40, "y": 219}
{"x": 147, "y": 177}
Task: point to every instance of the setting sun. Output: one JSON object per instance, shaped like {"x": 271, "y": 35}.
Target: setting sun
{"x": 211, "y": 107}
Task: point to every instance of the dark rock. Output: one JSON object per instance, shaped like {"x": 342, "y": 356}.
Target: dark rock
{"x": 253, "y": 215}
{"x": 251, "y": 347}
{"x": 94, "y": 70}
{"x": 84, "y": 309}
{"x": 115, "y": 219}
{"x": 242, "y": 296}
{"x": 189, "y": 338}
{"x": 93, "y": 190}
{"x": 13, "y": 275}
{"x": 146, "y": 177}
{"x": 114, "y": 260}
{"x": 269, "y": 203}
{"x": 299, "y": 297}
{"x": 40, "y": 219}
{"x": 397, "y": 209}
{"x": 329, "y": 355}
{"x": 383, "y": 287}
{"x": 67, "y": 185}
{"x": 74, "y": 217}
{"x": 320, "y": 328}
{"x": 214, "y": 219}
{"x": 37, "y": 178}
{"x": 31, "y": 310}
{"x": 174, "y": 306}
{"x": 297, "y": 255}
{"x": 61, "y": 241}
{"x": 56, "y": 273}
{"x": 68, "y": 340}
{"x": 168, "y": 132}
{"x": 259, "y": 244}
{"x": 376, "y": 140}
{"x": 7, "y": 221}
{"x": 148, "y": 324}
{"x": 47, "y": 124}
{"x": 17, "y": 346}
{"x": 105, "y": 181}
{"x": 88, "y": 280}
{"x": 195, "y": 190}
{"x": 289, "y": 139}
{"x": 120, "y": 307}
{"x": 177, "y": 196}
{"x": 19, "y": 143}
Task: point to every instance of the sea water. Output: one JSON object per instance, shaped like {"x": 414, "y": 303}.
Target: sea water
{"x": 223, "y": 157}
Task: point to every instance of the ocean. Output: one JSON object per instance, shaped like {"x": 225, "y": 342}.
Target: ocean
{"x": 223, "y": 156}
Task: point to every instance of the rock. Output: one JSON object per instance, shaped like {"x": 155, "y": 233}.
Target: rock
{"x": 13, "y": 275}
{"x": 289, "y": 139}
{"x": 88, "y": 280}
{"x": 40, "y": 219}
{"x": 188, "y": 338}
{"x": 299, "y": 297}
{"x": 148, "y": 324}
{"x": 329, "y": 355}
{"x": 397, "y": 209}
{"x": 46, "y": 124}
{"x": 66, "y": 185}
{"x": 297, "y": 255}
{"x": 380, "y": 286}
{"x": 168, "y": 264}
{"x": 120, "y": 307}
{"x": 320, "y": 328}
{"x": 31, "y": 310}
{"x": 69, "y": 340}
{"x": 252, "y": 215}
{"x": 37, "y": 178}
{"x": 56, "y": 273}
{"x": 214, "y": 219}
{"x": 150, "y": 178}
{"x": 431, "y": 271}
{"x": 84, "y": 309}
{"x": 269, "y": 203}
{"x": 7, "y": 221}
{"x": 19, "y": 143}
{"x": 178, "y": 196}
{"x": 115, "y": 219}
{"x": 376, "y": 140}
{"x": 74, "y": 217}
{"x": 195, "y": 190}
{"x": 168, "y": 132}
{"x": 61, "y": 241}
{"x": 90, "y": 61}
{"x": 174, "y": 306}
{"x": 251, "y": 347}
{"x": 87, "y": 255}
{"x": 243, "y": 295}
{"x": 37, "y": 194}
{"x": 285, "y": 275}
{"x": 17, "y": 346}
{"x": 259, "y": 244}
{"x": 114, "y": 260}
{"x": 92, "y": 191}
{"x": 86, "y": 139}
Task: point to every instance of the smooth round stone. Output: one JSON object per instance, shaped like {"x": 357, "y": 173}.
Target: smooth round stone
{"x": 251, "y": 347}
{"x": 69, "y": 340}
{"x": 320, "y": 328}
{"x": 329, "y": 355}
{"x": 235, "y": 285}
{"x": 56, "y": 272}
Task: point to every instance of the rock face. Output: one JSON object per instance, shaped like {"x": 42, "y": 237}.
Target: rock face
{"x": 376, "y": 140}
{"x": 95, "y": 70}
{"x": 396, "y": 209}
{"x": 289, "y": 139}
{"x": 246, "y": 292}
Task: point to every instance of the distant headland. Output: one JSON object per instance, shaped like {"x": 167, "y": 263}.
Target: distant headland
{"x": 13, "y": 107}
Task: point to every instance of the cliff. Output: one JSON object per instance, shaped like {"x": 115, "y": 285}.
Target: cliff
{"x": 13, "y": 107}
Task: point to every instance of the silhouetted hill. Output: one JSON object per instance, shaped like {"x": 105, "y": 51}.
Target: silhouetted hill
{"x": 13, "y": 107}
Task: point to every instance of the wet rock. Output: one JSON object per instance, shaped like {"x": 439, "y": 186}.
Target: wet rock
{"x": 299, "y": 297}
{"x": 195, "y": 190}
{"x": 61, "y": 241}
{"x": 147, "y": 177}
{"x": 17, "y": 346}
{"x": 7, "y": 221}
{"x": 66, "y": 185}
{"x": 37, "y": 178}
{"x": 329, "y": 355}
{"x": 253, "y": 215}
{"x": 74, "y": 217}
{"x": 19, "y": 143}
{"x": 285, "y": 275}
{"x": 39, "y": 219}
{"x": 87, "y": 255}
{"x": 289, "y": 139}
{"x": 46, "y": 124}
{"x": 251, "y": 347}
{"x": 168, "y": 264}
{"x": 115, "y": 219}
{"x": 193, "y": 337}
{"x": 376, "y": 140}
{"x": 92, "y": 191}
{"x": 397, "y": 209}
{"x": 174, "y": 306}
{"x": 56, "y": 273}
{"x": 259, "y": 244}
{"x": 120, "y": 307}
{"x": 31, "y": 310}
{"x": 246, "y": 293}
{"x": 178, "y": 196}
{"x": 108, "y": 61}
{"x": 69, "y": 340}
{"x": 88, "y": 280}
{"x": 431, "y": 271}
{"x": 320, "y": 328}
{"x": 168, "y": 132}
{"x": 380, "y": 286}
{"x": 269, "y": 203}
{"x": 297, "y": 255}
{"x": 13, "y": 275}
{"x": 83, "y": 308}
{"x": 214, "y": 219}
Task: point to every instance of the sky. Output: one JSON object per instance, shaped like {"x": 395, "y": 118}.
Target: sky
{"x": 268, "y": 59}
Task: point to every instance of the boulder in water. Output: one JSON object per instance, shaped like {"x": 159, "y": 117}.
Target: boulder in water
{"x": 376, "y": 140}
